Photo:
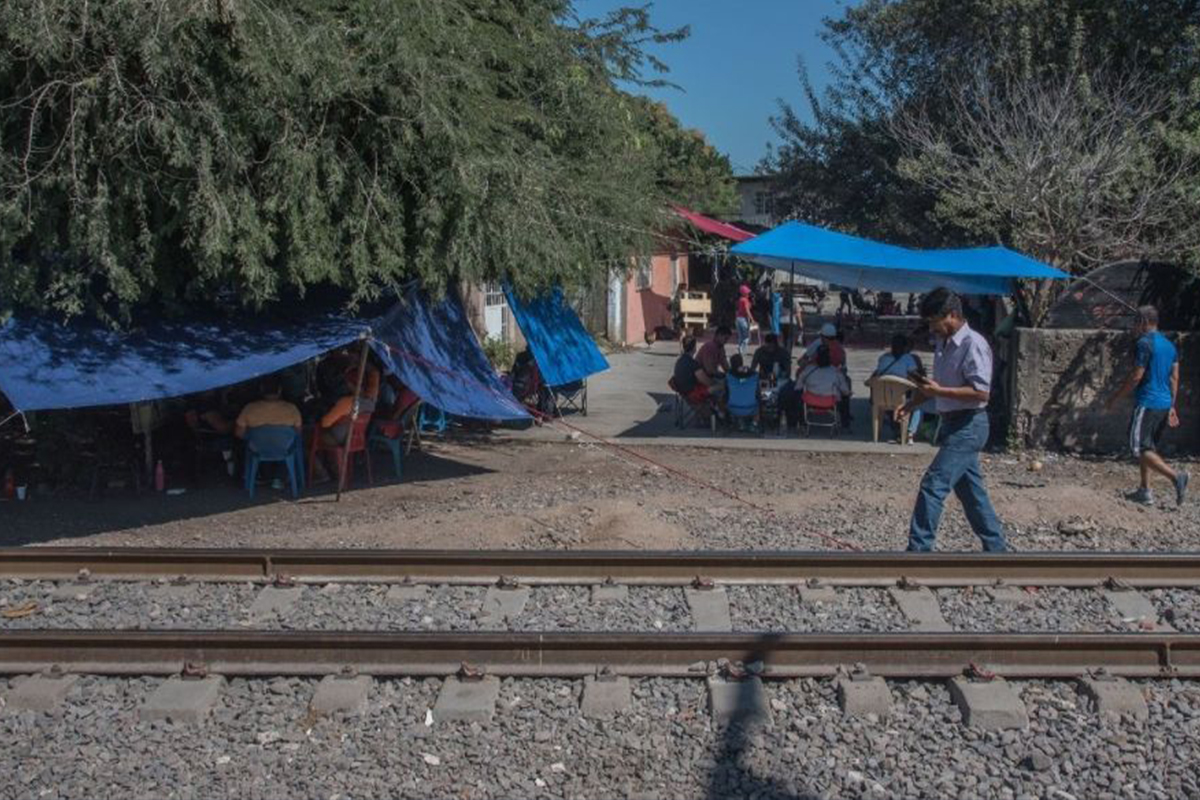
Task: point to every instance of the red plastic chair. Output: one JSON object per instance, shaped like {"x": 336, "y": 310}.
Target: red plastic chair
{"x": 820, "y": 411}
{"x": 356, "y": 443}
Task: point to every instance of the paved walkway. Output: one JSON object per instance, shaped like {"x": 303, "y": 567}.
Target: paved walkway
{"x": 631, "y": 404}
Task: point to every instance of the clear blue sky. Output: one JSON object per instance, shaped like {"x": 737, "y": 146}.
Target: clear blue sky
{"x": 740, "y": 58}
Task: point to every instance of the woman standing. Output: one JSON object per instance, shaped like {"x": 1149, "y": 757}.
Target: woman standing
{"x": 743, "y": 318}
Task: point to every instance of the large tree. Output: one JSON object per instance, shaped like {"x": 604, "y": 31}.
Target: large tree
{"x": 243, "y": 152}
{"x": 900, "y": 57}
{"x": 1075, "y": 169}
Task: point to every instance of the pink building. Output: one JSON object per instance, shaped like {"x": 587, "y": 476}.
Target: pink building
{"x": 641, "y": 302}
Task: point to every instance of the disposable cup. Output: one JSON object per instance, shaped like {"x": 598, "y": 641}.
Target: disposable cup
{"x": 21, "y": 492}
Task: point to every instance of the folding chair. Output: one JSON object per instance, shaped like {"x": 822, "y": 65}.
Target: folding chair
{"x": 820, "y": 411}
{"x": 278, "y": 444}
{"x": 741, "y": 399}
{"x": 687, "y": 413}
{"x": 568, "y": 397}
{"x": 770, "y": 415}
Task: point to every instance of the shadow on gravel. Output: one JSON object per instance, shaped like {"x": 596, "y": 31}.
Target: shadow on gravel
{"x": 731, "y": 777}
{"x": 68, "y": 516}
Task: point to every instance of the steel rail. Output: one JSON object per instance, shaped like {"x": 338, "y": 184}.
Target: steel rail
{"x": 909, "y": 655}
{"x": 591, "y": 567}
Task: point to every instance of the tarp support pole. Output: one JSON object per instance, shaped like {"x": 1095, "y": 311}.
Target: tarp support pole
{"x": 362, "y": 369}
{"x": 13, "y": 416}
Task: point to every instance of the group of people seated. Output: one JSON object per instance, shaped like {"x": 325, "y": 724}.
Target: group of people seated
{"x": 766, "y": 389}
{"x": 316, "y": 400}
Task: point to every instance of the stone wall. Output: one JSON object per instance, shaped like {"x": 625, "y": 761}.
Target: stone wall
{"x": 1063, "y": 377}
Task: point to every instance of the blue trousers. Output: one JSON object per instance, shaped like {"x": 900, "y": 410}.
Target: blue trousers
{"x": 743, "y": 332}
{"x": 956, "y": 468}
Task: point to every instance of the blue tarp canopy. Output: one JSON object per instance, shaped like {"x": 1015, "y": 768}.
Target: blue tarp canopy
{"x": 564, "y": 351}
{"x": 434, "y": 351}
{"x": 46, "y": 365}
{"x": 859, "y": 263}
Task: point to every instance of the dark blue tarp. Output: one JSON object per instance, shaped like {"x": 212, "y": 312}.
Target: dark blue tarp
{"x": 565, "y": 352}
{"x": 434, "y": 351}
{"x": 852, "y": 261}
{"x": 46, "y": 365}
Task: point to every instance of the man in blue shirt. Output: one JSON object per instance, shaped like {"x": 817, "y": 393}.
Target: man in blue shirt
{"x": 1156, "y": 376}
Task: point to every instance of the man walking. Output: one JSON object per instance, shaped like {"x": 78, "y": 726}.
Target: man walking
{"x": 961, "y": 385}
{"x": 1156, "y": 376}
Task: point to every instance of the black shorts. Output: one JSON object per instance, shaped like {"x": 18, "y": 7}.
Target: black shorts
{"x": 1146, "y": 429}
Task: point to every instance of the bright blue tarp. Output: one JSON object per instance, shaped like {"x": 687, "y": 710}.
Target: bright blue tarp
{"x": 45, "y": 365}
{"x": 564, "y": 351}
{"x": 845, "y": 260}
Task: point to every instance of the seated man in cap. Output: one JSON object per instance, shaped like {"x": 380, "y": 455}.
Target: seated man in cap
{"x": 828, "y": 338}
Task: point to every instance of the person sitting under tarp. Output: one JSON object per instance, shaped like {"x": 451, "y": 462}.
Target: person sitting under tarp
{"x": 771, "y": 360}
{"x": 899, "y": 362}
{"x": 333, "y": 429}
{"x": 822, "y": 379}
{"x": 691, "y": 381}
{"x": 527, "y": 383}
{"x": 712, "y": 358}
{"x": 209, "y": 419}
{"x": 271, "y": 409}
{"x": 829, "y": 340}
{"x": 400, "y": 399}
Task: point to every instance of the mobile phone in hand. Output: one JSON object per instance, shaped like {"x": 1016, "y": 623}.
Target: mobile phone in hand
{"x": 918, "y": 377}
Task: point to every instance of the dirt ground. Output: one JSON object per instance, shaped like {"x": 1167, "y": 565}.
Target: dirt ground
{"x": 584, "y": 496}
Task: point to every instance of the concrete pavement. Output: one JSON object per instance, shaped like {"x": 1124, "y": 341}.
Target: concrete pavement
{"x": 630, "y": 404}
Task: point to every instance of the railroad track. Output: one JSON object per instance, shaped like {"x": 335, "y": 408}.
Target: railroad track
{"x": 1154, "y": 649}
{"x": 907, "y": 655}
{"x": 665, "y": 568}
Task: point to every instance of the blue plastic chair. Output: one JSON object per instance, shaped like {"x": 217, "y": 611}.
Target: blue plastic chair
{"x": 433, "y": 419}
{"x": 274, "y": 443}
{"x": 741, "y": 397}
{"x": 388, "y": 434}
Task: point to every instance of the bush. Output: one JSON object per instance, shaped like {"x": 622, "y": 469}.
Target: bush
{"x": 499, "y": 352}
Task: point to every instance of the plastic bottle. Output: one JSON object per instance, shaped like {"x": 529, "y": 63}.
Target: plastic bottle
{"x": 160, "y": 477}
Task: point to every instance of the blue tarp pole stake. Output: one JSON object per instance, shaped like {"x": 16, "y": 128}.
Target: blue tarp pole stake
{"x": 364, "y": 340}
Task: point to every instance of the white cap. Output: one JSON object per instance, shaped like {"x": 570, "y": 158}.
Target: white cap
{"x": 829, "y": 331}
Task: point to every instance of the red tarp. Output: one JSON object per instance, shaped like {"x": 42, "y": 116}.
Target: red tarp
{"x": 714, "y": 226}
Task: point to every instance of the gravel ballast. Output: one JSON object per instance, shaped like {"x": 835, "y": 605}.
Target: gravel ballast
{"x": 773, "y": 608}
{"x": 261, "y": 742}
{"x": 354, "y": 606}
{"x": 1050, "y": 608}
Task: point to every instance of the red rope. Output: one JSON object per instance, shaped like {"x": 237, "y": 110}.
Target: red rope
{"x": 543, "y": 417}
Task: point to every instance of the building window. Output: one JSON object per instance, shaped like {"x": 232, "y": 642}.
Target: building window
{"x": 494, "y": 294}
{"x": 762, "y": 203}
{"x": 645, "y": 273}
{"x": 674, "y": 271}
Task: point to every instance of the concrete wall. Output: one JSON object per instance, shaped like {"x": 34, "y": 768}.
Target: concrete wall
{"x": 1062, "y": 378}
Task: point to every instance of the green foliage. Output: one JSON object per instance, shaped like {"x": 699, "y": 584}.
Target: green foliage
{"x": 896, "y": 56}
{"x": 243, "y": 153}
{"x": 689, "y": 171}
{"x": 499, "y": 352}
